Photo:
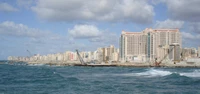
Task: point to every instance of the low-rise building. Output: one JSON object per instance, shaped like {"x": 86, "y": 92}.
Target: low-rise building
{"x": 188, "y": 53}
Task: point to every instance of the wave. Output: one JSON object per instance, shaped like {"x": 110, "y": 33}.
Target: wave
{"x": 154, "y": 73}
{"x": 36, "y": 64}
{"x": 161, "y": 73}
{"x": 194, "y": 74}
{"x": 149, "y": 73}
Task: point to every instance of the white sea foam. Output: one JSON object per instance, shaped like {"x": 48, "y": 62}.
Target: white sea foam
{"x": 149, "y": 73}
{"x": 154, "y": 73}
{"x": 195, "y": 73}
{"x": 36, "y": 64}
{"x": 160, "y": 73}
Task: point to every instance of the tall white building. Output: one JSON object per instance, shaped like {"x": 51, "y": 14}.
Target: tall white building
{"x": 132, "y": 46}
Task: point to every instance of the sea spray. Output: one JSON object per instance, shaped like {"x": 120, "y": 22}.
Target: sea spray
{"x": 195, "y": 73}
{"x": 154, "y": 73}
{"x": 148, "y": 73}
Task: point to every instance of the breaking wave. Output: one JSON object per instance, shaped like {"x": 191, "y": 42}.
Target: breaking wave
{"x": 149, "y": 73}
{"x": 161, "y": 73}
{"x": 194, "y": 74}
{"x": 154, "y": 73}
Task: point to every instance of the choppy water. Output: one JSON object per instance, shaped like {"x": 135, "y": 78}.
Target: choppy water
{"x": 21, "y": 79}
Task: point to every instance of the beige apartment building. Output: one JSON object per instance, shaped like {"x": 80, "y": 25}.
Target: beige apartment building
{"x": 148, "y": 45}
{"x": 110, "y": 54}
{"x": 189, "y": 53}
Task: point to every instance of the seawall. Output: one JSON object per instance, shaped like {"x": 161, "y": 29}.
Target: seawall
{"x": 126, "y": 64}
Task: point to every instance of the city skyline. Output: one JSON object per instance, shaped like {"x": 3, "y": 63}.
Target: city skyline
{"x": 108, "y": 54}
{"x": 147, "y": 46}
{"x": 48, "y": 26}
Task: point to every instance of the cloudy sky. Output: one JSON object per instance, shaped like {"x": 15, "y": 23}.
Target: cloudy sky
{"x": 52, "y": 26}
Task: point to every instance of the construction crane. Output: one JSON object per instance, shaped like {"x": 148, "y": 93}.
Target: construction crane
{"x": 157, "y": 64}
{"x": 80, "y": 58}
{"x": 29, "y": 53}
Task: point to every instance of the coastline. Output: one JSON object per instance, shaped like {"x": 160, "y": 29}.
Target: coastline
{"x": 182, "y": 64}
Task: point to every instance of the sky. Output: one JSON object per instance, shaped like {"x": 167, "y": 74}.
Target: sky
{"x": 55, "y": 26}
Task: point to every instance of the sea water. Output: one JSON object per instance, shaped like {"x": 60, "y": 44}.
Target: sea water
{"x": 42, "y": 79}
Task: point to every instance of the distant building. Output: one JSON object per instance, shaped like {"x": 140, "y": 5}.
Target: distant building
{"x": 188, "y": 53}
{"x": 174, "y": 52}
{"x": 198, "y": 51}
{"x": 110, "y": 54}
{"x": 99, "y": 55}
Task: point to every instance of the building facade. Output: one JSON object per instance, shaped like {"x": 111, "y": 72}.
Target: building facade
{"x": 189, "y": 53}
{"x": 110, "y": 54}
{"x": 132, "y": 46}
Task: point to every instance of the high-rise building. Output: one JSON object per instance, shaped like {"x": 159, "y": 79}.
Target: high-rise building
{"x": 148, "y": 45}
{"x": 132, "y": 46}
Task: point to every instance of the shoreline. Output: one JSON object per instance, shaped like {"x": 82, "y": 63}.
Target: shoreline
{"x": 76, "y": 63}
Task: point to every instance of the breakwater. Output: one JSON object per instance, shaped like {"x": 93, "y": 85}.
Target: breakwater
{"x": 125, "y": 64}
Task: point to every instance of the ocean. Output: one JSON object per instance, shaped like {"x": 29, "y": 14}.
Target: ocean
{"x": 43, "y": 79}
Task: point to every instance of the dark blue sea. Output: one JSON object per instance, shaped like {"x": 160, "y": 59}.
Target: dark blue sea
{"x": 43, "y": 79}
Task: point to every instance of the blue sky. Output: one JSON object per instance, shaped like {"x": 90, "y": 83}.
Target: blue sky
{"x": 52, "y": 26}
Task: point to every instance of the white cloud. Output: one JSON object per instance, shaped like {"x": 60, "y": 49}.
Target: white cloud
{"x": 35, "y": 40}
{"x": 84, "y": 31}
{"x": 12, "y": 29}
{"x": 93, "y": 34}
{"x": 190, "y": 39}
{"x": 136, "y": 11}
{"x": 7, "y": 8}
{"x": 169, "y": 24}
{"x": 187, "y": 35}
{"x": 106, "y": 38}
{"x": 194, "y": 27}
{"x": 186, "y": 10}
{"x": 24, "y": 3}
